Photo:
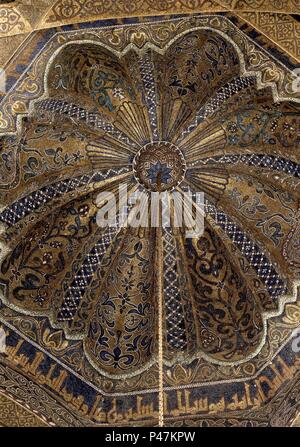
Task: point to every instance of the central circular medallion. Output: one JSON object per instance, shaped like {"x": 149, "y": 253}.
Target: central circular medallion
{"x": 159, "y": 166}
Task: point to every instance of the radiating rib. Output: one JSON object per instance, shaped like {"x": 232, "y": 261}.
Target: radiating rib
{"x": 133, "y": 120}
{"x": 100, "y": 243}
{"x": 261, "y": 160}
{"x": 43, "y": 255}
{"x": 94, "y": 120}
{"x": 32, "y": 202}
{"x": 174, "y": 114}
{"x": 211, "y": 180}
{"x": 204, "y": 142}
{"x": 190, "y": 71}
{"x": 255, "y": 256}
{"x": 174, "y": 312}
{"x": 274, "y": 171}
{"x": 256, "y": 284}
{"x": 107, "y": 152}
{"x": 215, "y": 102}
{"x": 149, "y": 84}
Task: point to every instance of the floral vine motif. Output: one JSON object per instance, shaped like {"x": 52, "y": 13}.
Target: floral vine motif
{"x": 157, "y": 35}
{"x": 185, "y": 119}
{"x": 10, "y": 19}
{"x": 68, "y": 9}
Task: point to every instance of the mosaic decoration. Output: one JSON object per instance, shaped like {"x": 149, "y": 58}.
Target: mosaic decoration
{"x": 280, "y": 28}
{"x": 12, "y": 21}
{"x": 159, "y": 159}
{"x": 137, "y": 325}
{"x": 19, "y": 416}
{"x": 66, "y": 10}
{"x": 253, "y": 61}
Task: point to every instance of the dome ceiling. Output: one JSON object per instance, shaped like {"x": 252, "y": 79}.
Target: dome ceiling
{"x": 189, "y": 116}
